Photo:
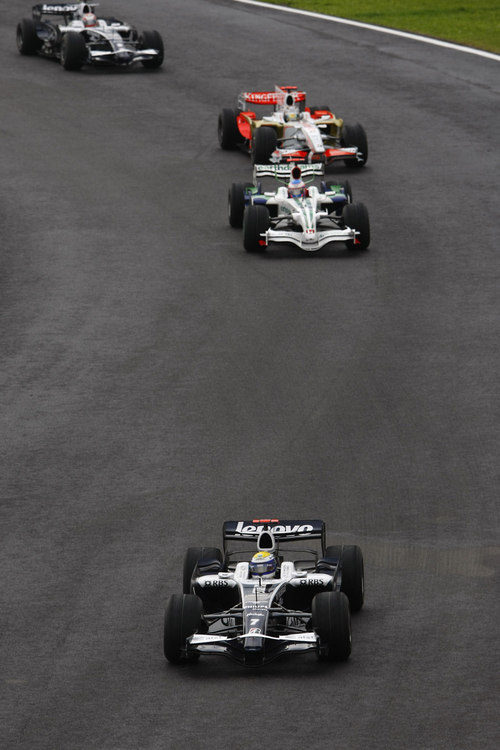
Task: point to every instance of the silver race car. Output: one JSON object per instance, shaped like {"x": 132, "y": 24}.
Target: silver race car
{"x": 308, "y": 217}
{"x": 78, "y": 37}
{"x": 275, "y": 588}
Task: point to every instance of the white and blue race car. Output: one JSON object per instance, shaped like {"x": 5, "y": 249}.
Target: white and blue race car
{"x": 307, "y": 217}
{"x": 73, "y": 34}
{"x": 275, "y": 588}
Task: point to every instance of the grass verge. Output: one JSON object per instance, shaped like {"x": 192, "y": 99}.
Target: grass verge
{"x": 475, "y": 23}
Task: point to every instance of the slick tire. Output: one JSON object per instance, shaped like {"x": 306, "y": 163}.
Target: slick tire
{"x": 353, "y": 576}
{"x": 355, "y": 135}
{"x": 255, "y": 222}
{"x": 355, "y": 216}
{"x": 73, "y": 51}
{"x": 227, "y": 130}
{"x": 191, "y": 559}
{"x": 152, "y": 40}
{"x": 27, "y": 39}
{"x": 264, "y": 143}
{"x": 236, "y": 205}
{"x": 331, "y": 621}
{"x": 182, "y": 619}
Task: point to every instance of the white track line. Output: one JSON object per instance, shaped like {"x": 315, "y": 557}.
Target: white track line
{"x": 382, "y": 29}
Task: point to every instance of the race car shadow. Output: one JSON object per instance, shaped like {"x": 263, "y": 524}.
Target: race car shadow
{"x": 290, "y": 252}
{"x": 305, "y": 666}
{"x": 116, "y": 70}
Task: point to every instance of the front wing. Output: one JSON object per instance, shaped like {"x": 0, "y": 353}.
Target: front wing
{"x": 328, "y": 156}
{"x": 310, "y": 244}
{"x": 122, "y": 57}
{"x": 233, "y": 646}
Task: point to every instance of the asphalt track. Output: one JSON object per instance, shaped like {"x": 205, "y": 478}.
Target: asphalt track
{"x": 157, "y": 380}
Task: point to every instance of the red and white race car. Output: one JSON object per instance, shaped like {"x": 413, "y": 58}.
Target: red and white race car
{"x": 292, "y": 132}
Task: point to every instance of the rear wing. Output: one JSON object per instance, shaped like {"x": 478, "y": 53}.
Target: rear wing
{"x": 276, "y": 97}
{"x": 284, "y": 171}
{"x": 61, "y": 9}
{"x": 283, "y": 531}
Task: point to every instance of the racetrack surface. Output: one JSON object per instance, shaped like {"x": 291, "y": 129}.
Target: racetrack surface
{"x": 157, "y": 380}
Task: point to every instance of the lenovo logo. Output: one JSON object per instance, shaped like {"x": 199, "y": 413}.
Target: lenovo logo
{"x": 279, "y": 529}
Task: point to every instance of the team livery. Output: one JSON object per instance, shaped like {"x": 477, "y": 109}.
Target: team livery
{"x": 308, "y": 217}
{"x": 78, "y": 37}
{"x": 253, "y": 605}
{"x": 293, "y": 132}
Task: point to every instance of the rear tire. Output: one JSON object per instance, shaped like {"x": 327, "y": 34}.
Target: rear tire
{"x": 152, "y": 40}
{"x": 353, "y": 577}
{"x": 182, "y": 619}
{"x": 27, "y": 39}
{"x": 227, "y": 130}
{"x": 236, "y": 205}
{"x": 255, "y": 222}
{"x": 191, "y": 558}
{"x": 331, "y": 620}
{"x": 355, "y": 216}
{"x": 355, "y": 135}
{"x": 264, "y": 143}
{"x": 73, "y": 51}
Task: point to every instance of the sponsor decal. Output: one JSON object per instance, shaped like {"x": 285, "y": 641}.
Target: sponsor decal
{"x": 215, "y": 584}
{"x": 256, "y": 606}
{"x": 311, "y": 582}
{"x": 59, "y": 8}
{"x": 254, "y": 631}
{"x": 279, "y": 528}
{"x": 271, "y": 97}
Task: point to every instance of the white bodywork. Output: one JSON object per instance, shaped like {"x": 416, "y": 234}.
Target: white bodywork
{"x": 257, "y": 596}
{"x": 303, "y": 212}
{"x": 121, "y": 50}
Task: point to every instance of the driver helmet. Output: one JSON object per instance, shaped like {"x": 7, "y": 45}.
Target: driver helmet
{"x": 291, "y": 116}
{"x": 263, "y": 565}
{"x": 296, "y": 188}
{"x": 89, "y": 20}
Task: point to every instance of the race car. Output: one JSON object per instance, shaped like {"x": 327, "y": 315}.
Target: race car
{"x": 259, "y": 598}
{"x": 308, "y": 217}
{"x": 72, "y": 34}
{"x": 292, "y": 132}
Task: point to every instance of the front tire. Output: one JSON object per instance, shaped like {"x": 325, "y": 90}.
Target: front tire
{"x": 255, "y": 222}
{"x": 73, "y": 51}
{"x": 152, "y": 40}
{"x": 236, "y": 205}
{"x": 264, "y": 142}
{"x": 27, "y": 39}
{"x": 331, "y": 621}
{"x": 355, "y": 135}
{"x": 182, "y": 619}
{"x": 355, "y": 216}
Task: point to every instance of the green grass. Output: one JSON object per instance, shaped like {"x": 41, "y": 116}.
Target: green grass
{"x": 475, "y": 23}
